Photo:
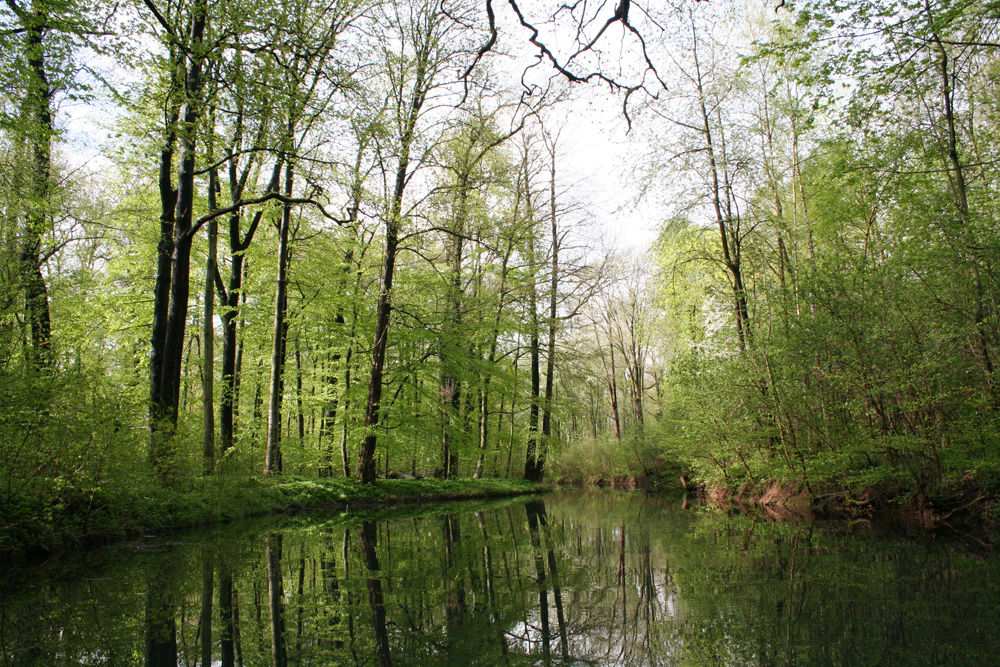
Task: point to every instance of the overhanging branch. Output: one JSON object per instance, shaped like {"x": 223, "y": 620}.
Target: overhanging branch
{"x": 270, "y": 196}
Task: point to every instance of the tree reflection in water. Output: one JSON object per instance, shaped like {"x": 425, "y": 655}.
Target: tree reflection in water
{"x": 579, "y": 578}
{"x": 369, "y": 540}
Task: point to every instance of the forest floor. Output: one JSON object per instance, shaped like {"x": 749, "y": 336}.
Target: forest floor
{"x": 30, "y": 533}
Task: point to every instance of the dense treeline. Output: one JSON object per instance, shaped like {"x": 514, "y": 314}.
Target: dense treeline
{"x": 329, "y": 239}
{"x": 338, "y": 238}
{"x": 835, "y": 325}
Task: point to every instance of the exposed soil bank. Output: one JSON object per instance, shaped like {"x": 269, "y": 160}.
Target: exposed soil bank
{"x": 962, "y": 509}
{"x": 37, "y": 532}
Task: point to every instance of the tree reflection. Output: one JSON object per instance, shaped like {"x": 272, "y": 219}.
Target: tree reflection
{"x": 205, "y": 621}
{"x": 275, "y": 599}
{"x": 536, "y": 513}
{"x": 160, "y": 623}
{"x": 227, "y": 616}
{"x": 583, "y": 580}
{"x": 452, "y": 580}
{"x": 368, "y": 534}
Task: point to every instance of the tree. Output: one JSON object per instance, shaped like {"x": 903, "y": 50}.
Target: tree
{"x": 39, "y": 40}
{"x": 313, "y": 83}
{"x": 426, "y": 32}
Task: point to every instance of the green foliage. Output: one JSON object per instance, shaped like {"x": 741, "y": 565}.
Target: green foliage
{"x": 869, "y": 264}
{"x": 68, "y": 512}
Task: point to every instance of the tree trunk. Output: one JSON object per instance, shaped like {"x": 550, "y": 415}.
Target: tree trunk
{"x": 450, "y": 385}
{"x": 330, "y": 411}
{"x": 38, "y": 108}
{"x": 531, "y": 471}
{"x": 208, "y": 337}
{"x": 272, "y": 459}
{"x": 366, "y": 458}
{"x": 238, "y": 244}
{"x": 613, "y": 390}
{"x": 957, "y": 180}
{"x": 550, "y": 356}
{"x": 167, "y": 397}
{"x": 343, "y": 422}
{"x": 298, "y": 391}
{"x": 730, "y": 241}
{"x": 161, "y": 291}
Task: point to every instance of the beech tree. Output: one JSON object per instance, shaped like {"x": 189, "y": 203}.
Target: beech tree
{"x": 313, "y": 81}
{"x": 39, "y": 41}
{"x": 428, "y": 33}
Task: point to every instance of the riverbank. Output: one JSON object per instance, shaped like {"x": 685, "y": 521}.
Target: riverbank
{"x": 967, "y": 509}
{"x": 969, "y": 506}
{"x": 29, "y": 532}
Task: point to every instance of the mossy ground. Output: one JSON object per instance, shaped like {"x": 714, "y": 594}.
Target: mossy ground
{"x": 37, "y": 531}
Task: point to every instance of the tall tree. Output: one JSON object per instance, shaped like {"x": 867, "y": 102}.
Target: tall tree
{"x": 39, "y": 40}
{"x": 427, "y": 32}
{"x": 313, "y": 80}
{"x": 188, "y": 55}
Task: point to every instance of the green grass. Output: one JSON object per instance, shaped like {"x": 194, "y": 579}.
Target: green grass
{"x": 36, "y": 528}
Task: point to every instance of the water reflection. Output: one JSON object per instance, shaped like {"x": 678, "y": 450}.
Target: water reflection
{"x": 574, "y": 579}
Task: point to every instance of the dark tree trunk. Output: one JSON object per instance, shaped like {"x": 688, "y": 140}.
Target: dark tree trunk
{"x": 208, "y": 336}
{"x": 550, "y": 355}
{"x": 957, "y": 180}
{"x": 161, "y": 291}
{"x": 531, "y": 471}
{"x": 613, "y": 390}
{"x": 238, "y": 244}
{"x": 344, "y": 460}
{"x": 366, "y": 459}
{"x": 166, "y": 406}
{"x": 272, "y": 461}
{"x": 724, "y": 217}
{"x": 38, "y": 107}
{"x": 450, "y": 385}
{"x": 298, "y": 391}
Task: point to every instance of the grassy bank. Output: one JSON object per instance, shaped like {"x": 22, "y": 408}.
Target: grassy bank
{"x": 34, "y": 530}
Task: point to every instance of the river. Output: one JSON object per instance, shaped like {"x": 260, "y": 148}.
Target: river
{"x": 571, "y": 578}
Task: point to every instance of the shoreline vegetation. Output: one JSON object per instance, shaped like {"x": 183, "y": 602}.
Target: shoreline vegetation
{"x": 34, "y": 533}
{"x": 30, "y": 533}
{"x": 965, "y": 506}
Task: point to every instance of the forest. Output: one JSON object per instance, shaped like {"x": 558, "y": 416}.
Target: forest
{"x": 350, "y": 238}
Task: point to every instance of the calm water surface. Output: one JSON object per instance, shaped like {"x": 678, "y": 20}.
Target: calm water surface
{"x": 571, "y": 579}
